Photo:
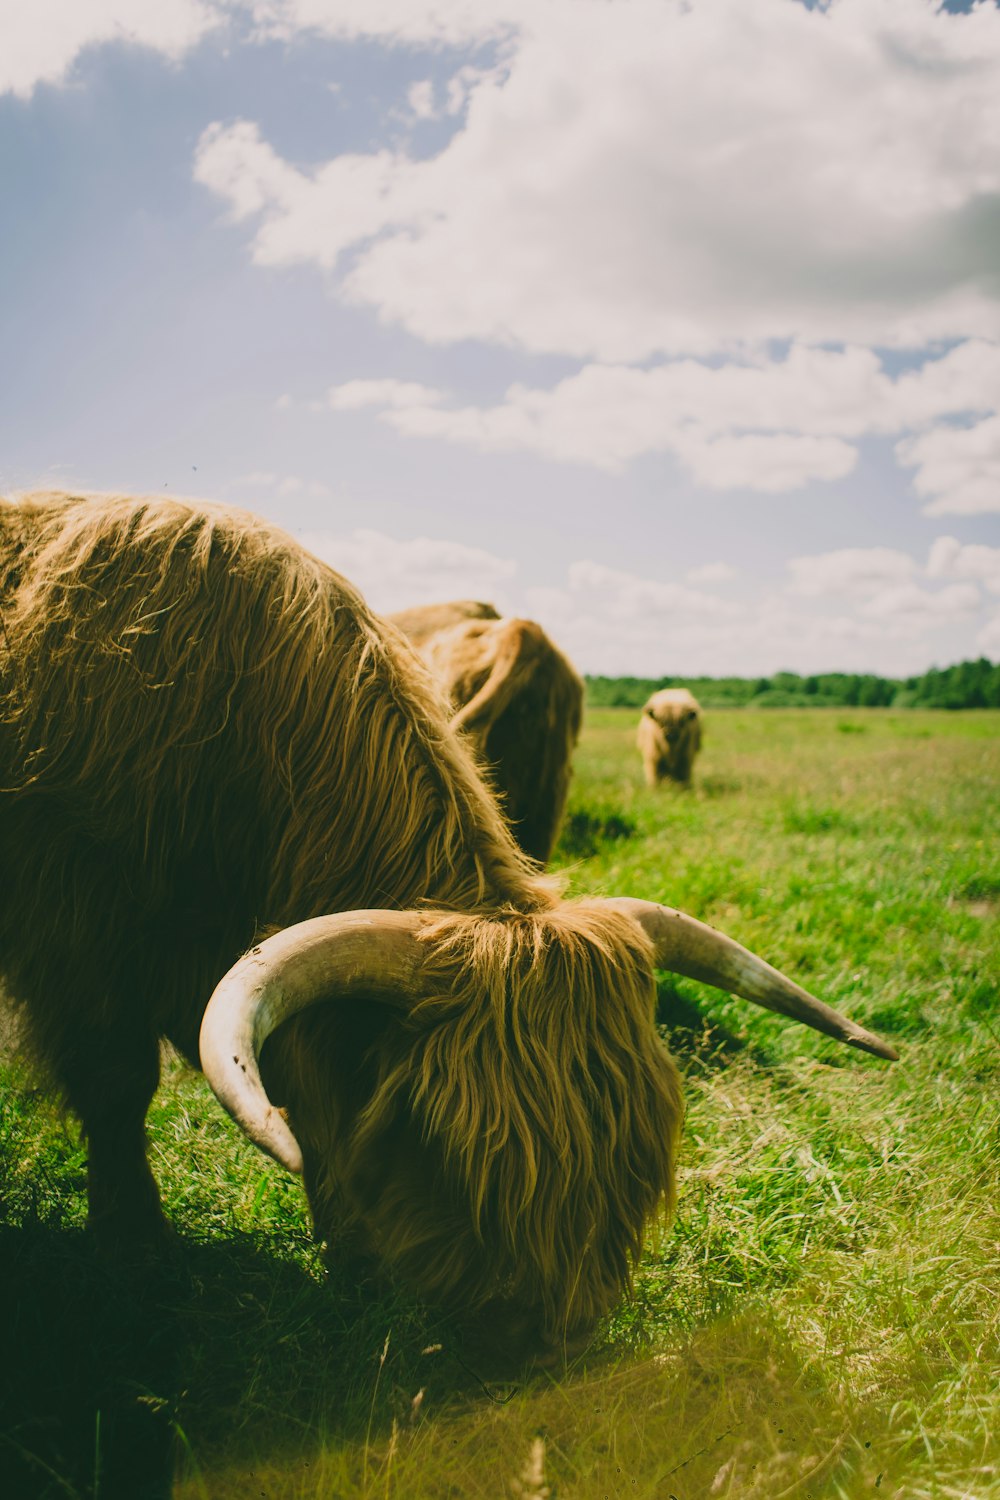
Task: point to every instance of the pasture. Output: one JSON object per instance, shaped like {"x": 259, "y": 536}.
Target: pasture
{"x": 820, "y": 1318}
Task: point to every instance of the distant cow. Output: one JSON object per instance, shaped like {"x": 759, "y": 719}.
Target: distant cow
{"x": 669, "y": 736}
{"x": 518, "y": 700}
{"x": 209, "y": 744}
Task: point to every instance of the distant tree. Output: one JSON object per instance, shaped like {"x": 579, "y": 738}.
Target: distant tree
{"x": 968, "y": 684}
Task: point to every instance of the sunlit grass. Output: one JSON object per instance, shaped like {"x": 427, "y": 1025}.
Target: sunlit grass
{"x": 820, "y": 1319}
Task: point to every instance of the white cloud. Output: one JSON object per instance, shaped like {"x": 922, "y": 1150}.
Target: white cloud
{"x": 958, "y": 466}
{"x": 420, "y": 98}
{"x": 804, "y": 406}
{"x": 909, "y": 602}
{"x": 619, "y": 623}
{"x": 451, "y": 23}
{"x": 394, "y": 574}
{"x": 284, "y": 486}
{"x": 883, "y": 585}
{"x": 624, "y": 596}
{"x": 390, "y": 395}
{"x": 665, "y": 177}
{"x": 950, "y": 559}
{"x": 307, "y": 216}
{"x": 850, "y": 570}
{"x": 40, "y": 40}
{"x": 841, "y": 393}
{"x": 651, "y": 179}
{"x": 462, "y": 84}
{"x": 235, "y": 163}
{"x": 264, "y": 478}
{"x": 771, "y": 462}
{"x": 292, "y": 485}
{"x": 715, "y": 572}
{"x": 988, "y": 639}
{"x": 966, "y": 379}
{"x": 609, "y": 620}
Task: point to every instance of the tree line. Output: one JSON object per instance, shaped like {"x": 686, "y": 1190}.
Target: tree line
{"x": 967, "y": 684}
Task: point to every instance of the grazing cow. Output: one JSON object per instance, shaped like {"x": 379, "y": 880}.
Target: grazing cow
{"x": 208, "y": 742}
{"x": 669, "y": 736}
{"x": 519, "y": 701}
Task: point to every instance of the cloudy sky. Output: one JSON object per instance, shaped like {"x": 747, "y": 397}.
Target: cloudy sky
{"x": 674, "y": 324}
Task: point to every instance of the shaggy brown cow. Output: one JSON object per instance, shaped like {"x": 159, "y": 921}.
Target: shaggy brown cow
{"x": 519, "y": 701}
{"x": 205, "y": 736}
{"x": 669, "y": 736}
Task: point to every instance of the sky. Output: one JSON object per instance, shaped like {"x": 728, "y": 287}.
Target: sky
{"x": 672, "y": 324}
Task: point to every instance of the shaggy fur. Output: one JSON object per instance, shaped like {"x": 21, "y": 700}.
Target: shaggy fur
{"x": 518, "y": 700}
{"x": 669, "y": 736}
{"x": 425, "y": 620}
{"x": 533, "y": 1113}
{"x": 205, "y": 735}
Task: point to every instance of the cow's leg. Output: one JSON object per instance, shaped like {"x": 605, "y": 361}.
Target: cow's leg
{"x": 110, "y": 1079}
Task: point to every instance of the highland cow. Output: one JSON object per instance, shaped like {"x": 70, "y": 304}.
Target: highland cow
{"x": 669, "y": 736}
{"x": 207, "y": 738}
{"x": 517, "y": 699}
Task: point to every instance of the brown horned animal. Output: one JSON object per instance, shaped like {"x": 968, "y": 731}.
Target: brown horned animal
{"x": 516, "y": 697}
{"x": 208, "y": 744}
{"x": 669, "y": 736}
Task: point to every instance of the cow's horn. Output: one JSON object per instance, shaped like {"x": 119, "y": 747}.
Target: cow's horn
{"x": 686, "y": 946}
{"x": 373, "y": 953}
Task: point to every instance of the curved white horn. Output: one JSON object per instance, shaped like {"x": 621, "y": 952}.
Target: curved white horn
{"x": 686, "y": 946}
{"x": 374, "y": 953}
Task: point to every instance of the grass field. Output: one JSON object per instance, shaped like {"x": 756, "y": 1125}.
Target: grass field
{"x": 821, "y": 1317}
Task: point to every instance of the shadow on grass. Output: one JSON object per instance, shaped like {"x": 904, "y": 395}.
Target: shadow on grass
{"x": 91, "y": 1374}
{"x": 693, "y": 1035}
{"x": 111, "y": 1373}
{"x": 587, "y": 830}
{"x": 722, "y": 786}
{"x": 739, "y": 1408}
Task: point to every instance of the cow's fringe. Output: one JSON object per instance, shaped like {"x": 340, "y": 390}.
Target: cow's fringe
{"x": 546, "y": 1111}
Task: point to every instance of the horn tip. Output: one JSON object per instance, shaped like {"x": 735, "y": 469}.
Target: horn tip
{"x": 280, "y": 1143}
{"x": 866, "y": 1042}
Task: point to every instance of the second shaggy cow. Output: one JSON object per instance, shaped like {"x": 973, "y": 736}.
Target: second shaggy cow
{"x": 517, "y": 699}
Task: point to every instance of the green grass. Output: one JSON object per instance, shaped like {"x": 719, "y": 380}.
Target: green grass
{"x": 821, "y": 1317}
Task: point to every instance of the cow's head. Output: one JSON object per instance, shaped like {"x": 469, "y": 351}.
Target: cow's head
{"x": 482, "y": 1104}
{"x": 675, "y": 718}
